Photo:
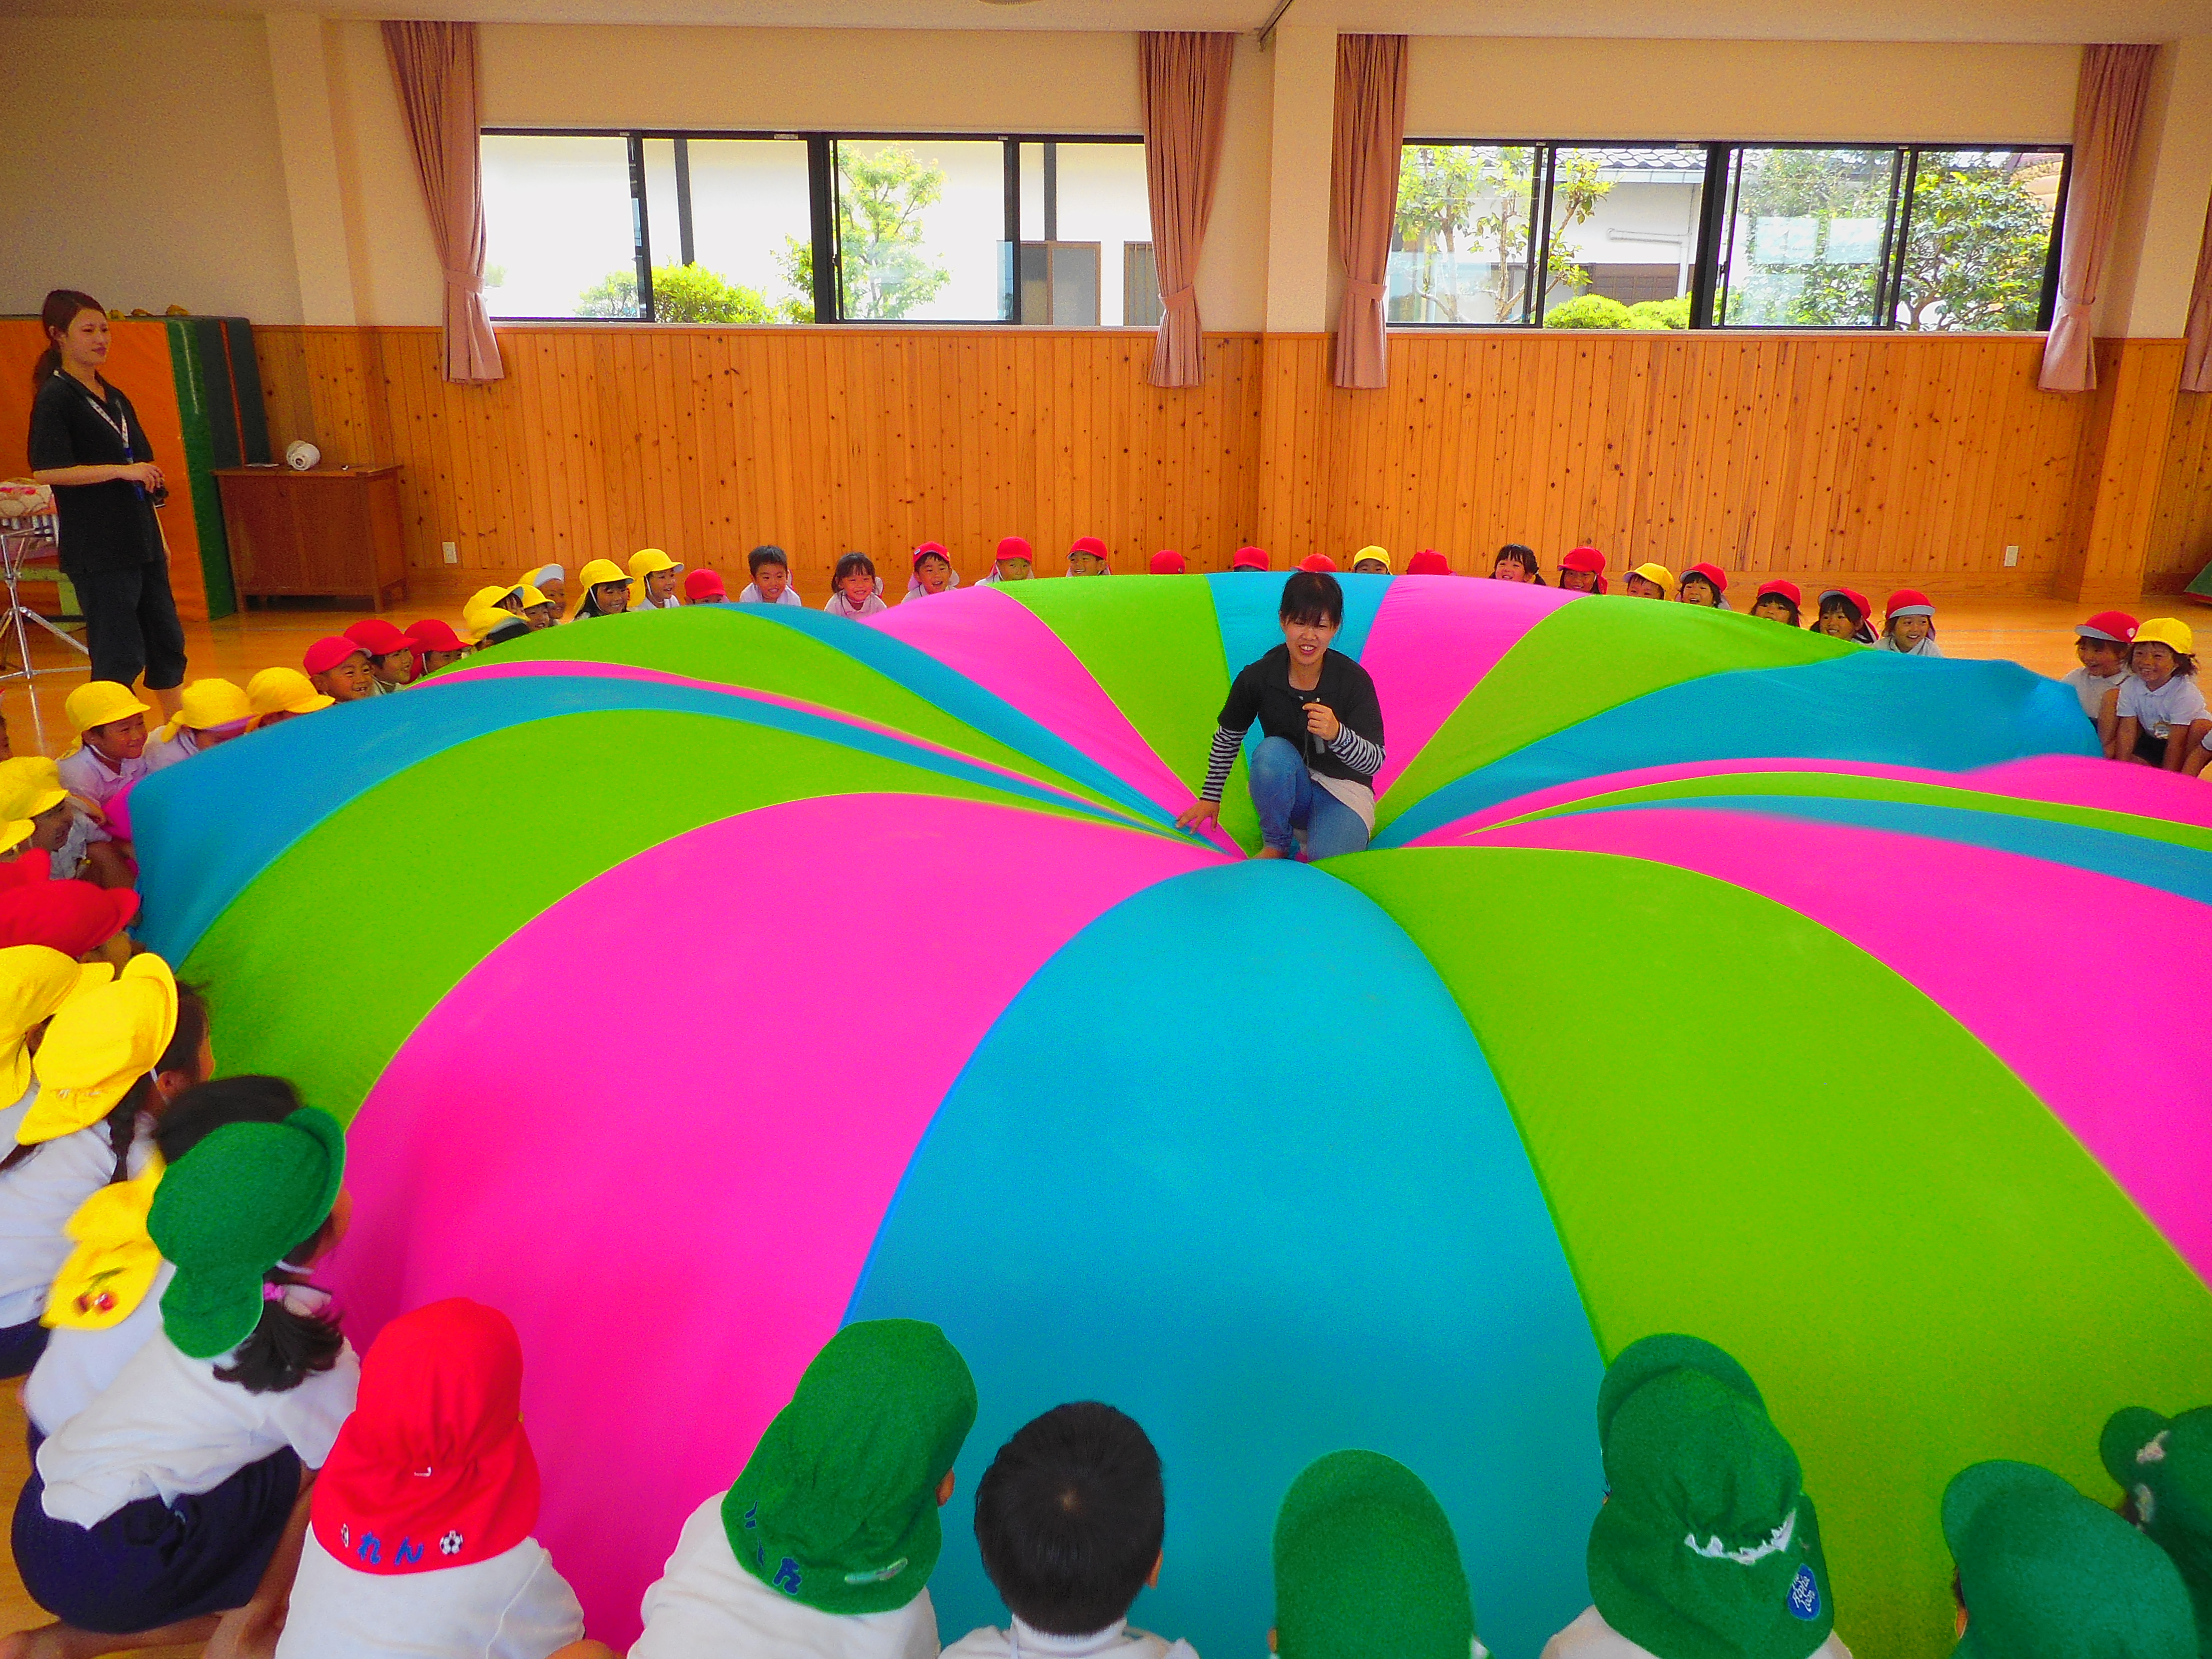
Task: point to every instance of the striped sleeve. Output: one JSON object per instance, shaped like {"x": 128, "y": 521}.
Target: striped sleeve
{"x": 1218, "y": 763}
{"x": 1362, "y": 755}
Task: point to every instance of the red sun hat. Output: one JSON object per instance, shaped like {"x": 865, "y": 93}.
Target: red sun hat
{"x": 928, "y": 548}
{"x": 1908, "y": 602}
{"x": 2117, "y": 626}
{"x": 1712, "y": 572}
{"x": 1087, "y": 544}
{"x": 1428, "y": 563}
{"x": 433, "y": 635}
{"x": 376, "y": 636}
{"x": 1249, "y": 558}
{"x": 1859, "y": 600}
{"x": 72, "y": 917}
{"x": 1585, "y": 557}
{"x": 1316, "y": 561}
{"x": 433, "y": 1469}
{"x": 1169, "y": 562}
{"x": 324, "y": 655}
{"x": 1786, "y": 590}
{"x": 703, "y": 585}
{"x": 1012, "y": 547}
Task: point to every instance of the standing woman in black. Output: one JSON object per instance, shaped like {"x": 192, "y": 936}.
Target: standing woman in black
{"x": 86, "y": 441}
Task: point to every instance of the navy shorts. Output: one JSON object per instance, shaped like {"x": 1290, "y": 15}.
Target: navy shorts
{"x": 20, "y": 1346}
{"x": 152, "y": 1563}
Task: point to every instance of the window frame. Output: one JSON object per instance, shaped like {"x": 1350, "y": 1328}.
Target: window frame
{"x": 1715, "y": 211}
{"x": 822, "y": 203}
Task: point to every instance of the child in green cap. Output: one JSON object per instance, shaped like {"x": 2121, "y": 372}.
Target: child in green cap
{"x": 1366, "y": 1567}
{"x": 2164, "y": 1465}
{"x": 1707, "y": 1546}
{"x": 2045, "y": 1573}
{"x": 825, "y": 1544}
{"x": 172, "y": 1507}
{"x": 1069, "y": 1520}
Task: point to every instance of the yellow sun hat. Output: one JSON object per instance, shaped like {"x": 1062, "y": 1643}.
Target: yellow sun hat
{"x": 1382, "y": 555}
{"x": 530, "y": 595}
{"x": 599, "y": 573}
{"x": 14, "y": 832}
{"x": 101, "y": 1041}
{"x": 2170, "y": 632}
{"x": 205, "y": 703}
{"x": 99, "y": 702}
{"x": 282, "y": 691}
{"x": 1661, "y": 575}
{"x": 115, "y": 1262}
{"x": 486, "y": 596}
{"x": 30, "y": 785}
{"x": 647, "y": 561}
{"x": 480, "y": 617}
{"x": 34, "y": 981}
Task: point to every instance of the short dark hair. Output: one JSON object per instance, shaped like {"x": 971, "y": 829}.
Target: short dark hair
{"x": 183, "y": 1053}
{"x": 768, "y": 553}
{"x": 1070, "y": 1516}
{"x": 200, "y": 1110}
{"x": 849, "y": 563}
{"x": 1312, "y": 596}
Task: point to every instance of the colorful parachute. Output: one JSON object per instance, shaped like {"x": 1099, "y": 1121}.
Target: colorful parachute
{"x": 695, "y": 982}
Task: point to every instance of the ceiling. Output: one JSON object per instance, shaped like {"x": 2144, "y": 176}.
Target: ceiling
{"x": 1762, "y": 20}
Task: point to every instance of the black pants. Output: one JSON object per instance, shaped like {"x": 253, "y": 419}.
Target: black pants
{"x": 130, "y": 623}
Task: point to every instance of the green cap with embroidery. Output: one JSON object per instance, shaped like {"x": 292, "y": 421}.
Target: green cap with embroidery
{"x": 2047, "y": 1573}
{"x": 2165, "y": 1463}
{"x": 1366, "y": 1566}
{"x": 837, "y": 1506}
{"x": 1707, "y": 1546}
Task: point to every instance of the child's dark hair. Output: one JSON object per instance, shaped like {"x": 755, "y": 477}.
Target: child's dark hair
{"x": 200, "y": 1110}
{"x": 1069, "y": 1517}
{"x": 286, "y": 1348}
{"x": 183, "y": 1053}
{"x": 1311, "y": 597}
{"x": 767, "y": 553}
{"x": 848, "y": 563}
{"x": 1523, "y": 556}
{"x": 2184, "y": 662}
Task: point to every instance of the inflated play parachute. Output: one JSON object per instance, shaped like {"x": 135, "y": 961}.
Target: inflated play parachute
{"x": 695, "y": 981}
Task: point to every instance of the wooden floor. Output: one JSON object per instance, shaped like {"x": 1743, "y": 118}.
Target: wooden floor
{"x": 2038, "y": 633}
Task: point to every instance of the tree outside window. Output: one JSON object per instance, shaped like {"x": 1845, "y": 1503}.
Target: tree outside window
{"x": 1466, "y": 217}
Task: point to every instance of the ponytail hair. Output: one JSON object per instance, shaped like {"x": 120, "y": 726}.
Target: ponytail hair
{"x": 287, "y": 1347}
{"x": 63, "y": 307}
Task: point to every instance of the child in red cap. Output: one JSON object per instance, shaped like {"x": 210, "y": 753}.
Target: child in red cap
{"x": 1516, "y": 563}
{"x": 1088, "y": 558}
{"x": 1428, "y": 563}
{"x": 1015, "y": 561}
{"x": 339, "y": 669}
{"x": 436, "y": 646}
{"x": 2102, "y": 644}
{"x": 705, "y": 587}
{"x": 1843, "y": 617}
{"x": 1705, "y": 585}
{"x": 1777, "y": 601}
{"x": 1908, "y": 625}
{"x": 1582, "y": 571}
{"x": 390, "y": 653}
{"x": 933, "y": 573}
{"x": 1320, "y": 562}
{"x": 1169, "y": 562}
{"x": 1249, "y": 558}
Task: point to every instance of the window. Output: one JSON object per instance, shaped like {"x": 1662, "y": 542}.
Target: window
{"x": 727, "y": 227}
{"x": 1562, "y": 235}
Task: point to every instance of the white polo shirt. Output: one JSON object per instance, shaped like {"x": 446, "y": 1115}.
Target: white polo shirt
{"x": 704, "y": 1604}
{"x": 514, "y": 1606}
{"x": 87, "y": 773}
{"x": 37, "y": 1199}
{"x": 2177, "y": 703}
{"x": 1021, "y": 1641}
{"x": 79, "y": 1364}
{"x": 167, "y": 1428}
{"x": 2091, "y": 688}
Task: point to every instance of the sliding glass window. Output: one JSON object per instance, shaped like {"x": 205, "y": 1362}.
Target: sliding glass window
{"x": 754, "y": 228}
{"x": 1666, "y": 236}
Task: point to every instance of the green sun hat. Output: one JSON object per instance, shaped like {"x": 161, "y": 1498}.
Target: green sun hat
{"x": 228, "y": 1212}
{"x": 1366, "y": 1566}
{"x": 2165, "y": 1463}
{"x": 1708, "y": 1546}
{"x": 837, "y": 1506}
{"x": 2047, "y": 1573}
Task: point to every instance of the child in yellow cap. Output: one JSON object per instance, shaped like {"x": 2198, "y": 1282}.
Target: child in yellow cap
{"x": 111, "y": 1061}
{"x": 110, "y": 752}
{"x": 209, "y": 712}
{"x": 606, "y": 590}
{"x": 31, "y": 789}
{"x": 2163, "y": 712}
{"x": 281, "y": 694}
{"x": 1370, "y": 562}
{"x": 656, "y": 575}
{"x": 1651, "y": 581}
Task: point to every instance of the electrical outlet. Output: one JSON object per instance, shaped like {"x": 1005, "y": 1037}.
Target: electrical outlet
{"x": 2012, "y": 555}
{"x": 454, "y": 554}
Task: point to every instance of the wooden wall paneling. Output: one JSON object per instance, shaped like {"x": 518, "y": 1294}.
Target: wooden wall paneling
{"x": 2181, "y": 536}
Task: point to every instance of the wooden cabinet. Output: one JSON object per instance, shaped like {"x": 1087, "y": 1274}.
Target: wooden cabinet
{"x": 333, "y": 532}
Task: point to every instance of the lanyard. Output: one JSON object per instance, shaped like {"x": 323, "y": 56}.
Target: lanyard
{"x": 120, "y": 428}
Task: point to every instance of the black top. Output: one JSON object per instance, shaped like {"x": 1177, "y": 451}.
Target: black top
{"x": 1262, "y": 691}
{"x": 104, "y": 527}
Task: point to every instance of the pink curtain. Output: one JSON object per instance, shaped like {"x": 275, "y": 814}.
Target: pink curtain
{"x": 2196, "y": 362}
{"x": 435, "y": 65}
{"x": 1183, "y": 79}
{"x": 1363, "y": 189}
{"x": 2108, "y": 111}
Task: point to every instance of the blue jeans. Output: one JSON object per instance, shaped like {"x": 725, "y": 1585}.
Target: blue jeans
{"x": 1287, "y": 801}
